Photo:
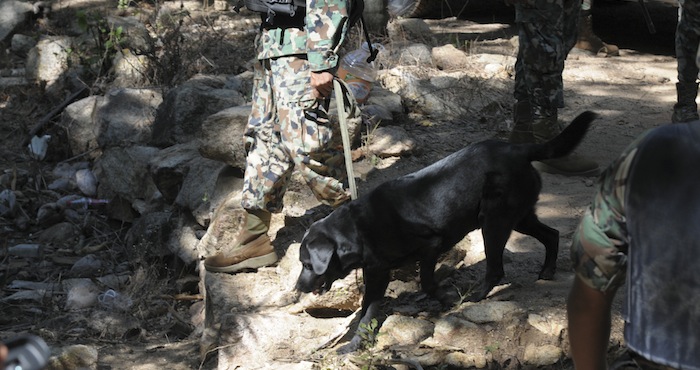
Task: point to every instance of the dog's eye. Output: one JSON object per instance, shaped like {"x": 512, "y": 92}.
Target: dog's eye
{"x": 307, "y": 266}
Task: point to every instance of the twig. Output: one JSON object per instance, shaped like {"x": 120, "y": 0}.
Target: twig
{"x": 56, "y": 110}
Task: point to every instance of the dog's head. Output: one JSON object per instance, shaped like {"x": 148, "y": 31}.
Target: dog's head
{"x": 328, "y": 252}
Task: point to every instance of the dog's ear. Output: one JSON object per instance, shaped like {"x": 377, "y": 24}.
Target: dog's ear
{"x": 320, "y": 252}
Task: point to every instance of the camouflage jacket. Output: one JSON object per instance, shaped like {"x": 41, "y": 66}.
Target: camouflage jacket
{"x": 324, "y": 28}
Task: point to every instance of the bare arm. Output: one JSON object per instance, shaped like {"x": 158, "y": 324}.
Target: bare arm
{"x": 589, "y": 325}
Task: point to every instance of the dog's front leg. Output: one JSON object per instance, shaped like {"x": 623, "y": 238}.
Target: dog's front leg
{"x": 496, "y": 234}
{"x": 376, "y": 283}
{"x": 427, "y": 274}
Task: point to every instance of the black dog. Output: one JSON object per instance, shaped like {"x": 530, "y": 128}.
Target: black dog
{"x": 489, "y": 185}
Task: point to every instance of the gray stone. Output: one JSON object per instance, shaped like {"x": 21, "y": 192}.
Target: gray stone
{"x": 415, "y": 55}
{"x": 448, "y": 57}
{"x": 12, "y": 15}
{"x": 48, "y": 60}
{"x": 179, "y": 119}
{"x": 388, "y": 141}
{"x": 123, "y": 172}
{"x": 486, "y": 312}
{"x": 403, "y": 330}
{"x": 542, "y": 355}
{"x": 130, "y": 70}
{"x": 221, "y": 136}
{"x": 126, "y": 116}
{"x": 21, "y": 44}
{"x": 547, "y": 325}
{"x": 81, "y": 129}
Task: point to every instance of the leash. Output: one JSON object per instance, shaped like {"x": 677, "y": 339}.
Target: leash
{"x": 339, "y": 87}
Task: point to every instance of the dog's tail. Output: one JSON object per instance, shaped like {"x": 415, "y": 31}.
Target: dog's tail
{"x": 564, "y": 143}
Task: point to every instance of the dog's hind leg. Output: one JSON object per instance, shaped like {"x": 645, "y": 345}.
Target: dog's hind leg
{"x": 531, "y": 225}
{"x": 376, "y": 283}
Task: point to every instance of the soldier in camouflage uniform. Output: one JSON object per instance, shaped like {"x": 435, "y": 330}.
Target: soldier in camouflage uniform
{"x": 547, "y": 32}
{"x": 288, "y": 127}
{"x": 630, "y": 234}
{"x": 687, "y": 39}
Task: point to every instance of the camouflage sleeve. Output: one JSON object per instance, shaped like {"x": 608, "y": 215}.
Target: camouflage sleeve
{"x": 326, "y": 26}
{"x": 600, "y": 242}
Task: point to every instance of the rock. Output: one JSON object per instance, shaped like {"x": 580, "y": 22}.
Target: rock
{"x": 448, "y": 57}
{"x": 546, "y": 325}
{"x": 386, "y": 99}
{"x": 494, "y": 311}
{"x": 221, "y": 136}
{"x": 542, "y": 355}
{"x": 48, "y": 60}
{"x": 88, "y": 266}
{"x": 454, "y": 332}
{"x": 12, "y": 14}
{"x": 64, "y": 233}
{"x": 130, "y": 70}
{"x": 114, "y": 324}
{"x": 403, "y": 330}
{"x": 269, "y": 337}
{"x": 150, "y": 233}
{"x": 80, "y": 294}
{"x": 134, "y": 34}
{"x": 22, "y": 44}
{"x": 181, "y": 116}
{"x": 126, "y": 116}
{"x": 415, "y": 55}
{"x": 390, "y": 141}
{"x": 74, "y": 357}
{"x": 123, "y": 172}
{"x": 410, "y": 29}
{"x": 468, "y": 360}
{"x": 81, "y": 128}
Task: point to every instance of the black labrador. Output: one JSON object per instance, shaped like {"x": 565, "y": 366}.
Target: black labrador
{"x": 490, "y": 185}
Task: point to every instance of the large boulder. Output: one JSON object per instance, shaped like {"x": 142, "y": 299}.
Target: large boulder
{"x": 185, "y": 108}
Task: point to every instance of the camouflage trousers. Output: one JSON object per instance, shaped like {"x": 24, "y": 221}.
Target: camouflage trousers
{"x": 290, "y": 130}
{"x": 687, "y": 40}
{"x": 547, "y": 32}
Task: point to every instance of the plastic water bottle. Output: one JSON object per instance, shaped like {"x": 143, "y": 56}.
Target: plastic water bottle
{"x": 357, "y": 73}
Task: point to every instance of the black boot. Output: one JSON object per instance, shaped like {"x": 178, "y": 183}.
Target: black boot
{"x": 685, "y": 110}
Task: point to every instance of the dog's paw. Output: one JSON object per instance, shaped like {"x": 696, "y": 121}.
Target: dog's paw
{"x": 351, "y": 346}
{"x": 547, "y": 273}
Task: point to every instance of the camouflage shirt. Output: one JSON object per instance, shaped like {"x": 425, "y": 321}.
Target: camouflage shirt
{"x": 600, "y": 242}
{"x": 318, "y": 35}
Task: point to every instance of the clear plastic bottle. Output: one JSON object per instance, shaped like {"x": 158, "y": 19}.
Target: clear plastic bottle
{"x": 357, "y": 72}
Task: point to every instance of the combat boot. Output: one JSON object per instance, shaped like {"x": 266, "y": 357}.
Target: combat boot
{"x": 251, "y": 247}
{"x": 685, "y": 109}
{"x": 588, "y": 42}
{"x": 545, "y": 126}
{"x": 522, "y": 123}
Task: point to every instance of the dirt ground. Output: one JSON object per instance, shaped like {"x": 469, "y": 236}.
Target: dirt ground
{"x": 631, "y": 93}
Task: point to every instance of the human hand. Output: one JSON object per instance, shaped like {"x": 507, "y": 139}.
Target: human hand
{"x": 321, "y": 84}
{"x": 3, "y": 354}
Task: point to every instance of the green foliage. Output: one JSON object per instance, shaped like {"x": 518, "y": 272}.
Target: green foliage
{"x": 368, "y": 333}
{"x": 107, "y": 41}
{"x": 491, "y": 348}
